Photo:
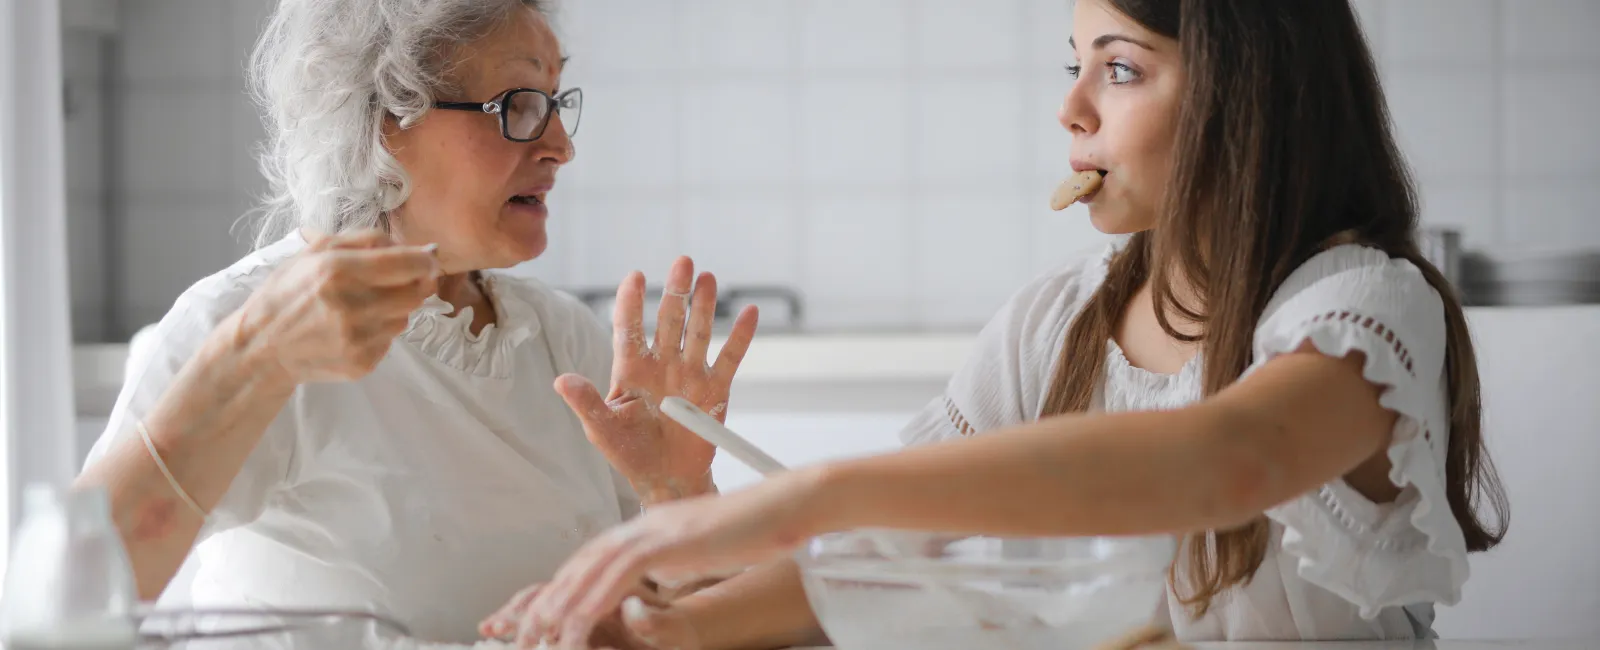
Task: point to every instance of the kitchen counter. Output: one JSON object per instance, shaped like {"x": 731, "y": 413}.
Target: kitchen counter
{"x": 1530, "y": 644}
{"x": 817, "y": 369}
{"x": 903, "y": 370}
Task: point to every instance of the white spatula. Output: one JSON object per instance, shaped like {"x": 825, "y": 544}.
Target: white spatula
{"x": 707, "y": 427}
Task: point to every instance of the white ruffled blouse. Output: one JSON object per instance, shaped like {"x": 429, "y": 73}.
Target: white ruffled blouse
{"x": 1339, "y": 566}
{"x": 431, "y": 490}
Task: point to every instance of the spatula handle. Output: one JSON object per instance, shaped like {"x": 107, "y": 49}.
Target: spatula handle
{"x": 707, "y": 427}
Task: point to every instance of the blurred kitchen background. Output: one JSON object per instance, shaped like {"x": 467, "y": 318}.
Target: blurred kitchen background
{"x": 874, "y": 173}
{"x": 888, "y": 160}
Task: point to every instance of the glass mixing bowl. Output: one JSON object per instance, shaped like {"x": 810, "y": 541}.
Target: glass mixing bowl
{"x": 887, "y": 590}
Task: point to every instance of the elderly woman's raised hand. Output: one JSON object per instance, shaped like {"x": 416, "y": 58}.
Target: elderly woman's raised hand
{"x": 661, "y": 459}
{"x": 331, "y": 313}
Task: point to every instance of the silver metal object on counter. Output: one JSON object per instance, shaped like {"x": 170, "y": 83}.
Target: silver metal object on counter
{"x": 190, "y": 627}
{"x": 1512, "y": 277}
{"x": 782, "y": 308}
{"x": 1442, "y": 247}
{"x": 1531, "y": 278}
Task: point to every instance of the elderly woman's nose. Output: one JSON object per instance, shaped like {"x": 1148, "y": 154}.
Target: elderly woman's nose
{"x": 555, "y": 145}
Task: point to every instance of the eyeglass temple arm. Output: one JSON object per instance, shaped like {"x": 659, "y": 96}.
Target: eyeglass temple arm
{"x": 486, "y": 107}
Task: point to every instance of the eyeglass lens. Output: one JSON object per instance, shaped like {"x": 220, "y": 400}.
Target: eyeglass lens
{"x": 526, "y": 114}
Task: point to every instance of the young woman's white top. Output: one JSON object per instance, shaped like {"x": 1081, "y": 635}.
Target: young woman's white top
{"x": 431, "y": 490}
{"x": 1339, "y": 566}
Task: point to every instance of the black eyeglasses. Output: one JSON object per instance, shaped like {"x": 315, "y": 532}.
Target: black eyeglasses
{"x": 525, "y": 112}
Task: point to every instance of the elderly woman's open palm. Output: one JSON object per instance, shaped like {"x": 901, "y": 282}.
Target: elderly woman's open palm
{"x": 661, "y": 459}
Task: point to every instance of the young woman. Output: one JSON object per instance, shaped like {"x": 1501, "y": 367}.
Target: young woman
{"x": 1267, "y": 366}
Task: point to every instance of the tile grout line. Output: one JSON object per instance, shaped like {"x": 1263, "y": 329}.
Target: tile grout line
{"x": 1030, "y": 226}
{"x": 680, "y": 98}
{"x": 799, "y": 198}
{"x": 976, "y": 73}
{"x": 1498, "y": 143}
{"x": 114, "y": 97}
{"x": 911, "y": 298}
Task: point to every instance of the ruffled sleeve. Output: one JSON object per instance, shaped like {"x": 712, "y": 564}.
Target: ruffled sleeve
{"x": 1356, "y": 299}
{"x": 1003, "y": 380}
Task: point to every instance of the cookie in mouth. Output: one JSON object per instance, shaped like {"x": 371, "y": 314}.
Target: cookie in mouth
{"x": 1077, "y": 187}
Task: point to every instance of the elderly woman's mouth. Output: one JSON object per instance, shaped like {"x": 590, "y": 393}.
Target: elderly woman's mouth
{"x": 530, "y": 195}
{"x": 528, "y": 205}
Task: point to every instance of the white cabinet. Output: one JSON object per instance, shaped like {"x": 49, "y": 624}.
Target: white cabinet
{"x": 1541, "y": 394}
{"x": 803, "y": 438}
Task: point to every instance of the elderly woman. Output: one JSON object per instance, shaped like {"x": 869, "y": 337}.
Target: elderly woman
{"x": 361, "y": 412}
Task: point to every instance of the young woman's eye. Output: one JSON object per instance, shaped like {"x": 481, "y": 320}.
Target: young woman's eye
{"x": 1074, "y": 70}
{"x": 1121, "y": 73}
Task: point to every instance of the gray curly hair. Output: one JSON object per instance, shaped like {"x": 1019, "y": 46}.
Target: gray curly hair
{"x": 326, "y": 74}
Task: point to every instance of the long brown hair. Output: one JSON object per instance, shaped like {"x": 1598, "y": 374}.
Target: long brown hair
{"x": 1284, "y": 147}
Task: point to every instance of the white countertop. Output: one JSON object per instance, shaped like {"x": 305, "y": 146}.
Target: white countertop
{"x": 905, "y": 369}
{"x": 1528, "y": 644}
{"x": 811, "y": 371}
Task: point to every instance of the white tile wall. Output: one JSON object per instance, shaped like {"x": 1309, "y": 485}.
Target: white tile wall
{"x": 734, "y": 236}
{"x": 1468, "y": 205}
{"x": 629, "y": 137}
{"x": 738, "y": 134}
{"x": 1494, "y": 103}
{"x": 626, "y": 35}
{"x": 1551, "y": 128}
{"x": 86, "y": 240}
{"x": 170, "y": 242}
{"x": 965, "y": 257}
{"x": 1048, "y": 142}
{"x": 245, "y": 136}
{"x": 855, "y": 133}
{"x": 184, "y": 41}
{"x": 968, "y": 132}
{"x": 174, "y": 140}
{"x": 246, "y": 20}
{"x": 1553, "y": 214}
{"x": 86, "y": 114}
{"x": 1460, "y": 138}
{"x": 1058, "y": 238}
{"x": 85, "y": 124}
{"x": 961, "y": 35}
{"x": 891, "y": 158}
{"x": 1551, "y": 31}
{"x": 1414, "y": 31}
{"x": 1047, "y": 27}
{"x": 858, "y": 266}
{"x": 616, "y": 235}
{"x": 85, "y": 137}
{"x": 740, "y": 34}
{"x": 854, "y": 36}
